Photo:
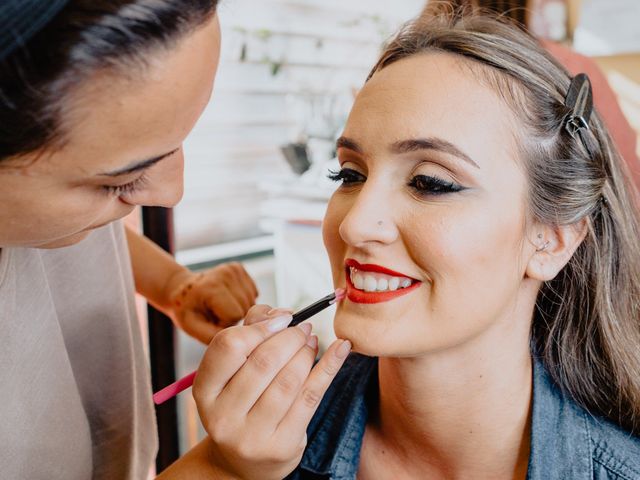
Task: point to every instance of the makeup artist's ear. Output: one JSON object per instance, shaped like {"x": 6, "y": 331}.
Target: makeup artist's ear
{"x": 552, "y": 247}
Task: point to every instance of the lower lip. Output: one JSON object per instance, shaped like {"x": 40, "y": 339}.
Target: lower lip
{"x": 360, "y": 296}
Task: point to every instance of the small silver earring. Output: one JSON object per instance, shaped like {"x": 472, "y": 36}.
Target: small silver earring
{"x": 543, "y": 247}
{"x": 379, "y": 222}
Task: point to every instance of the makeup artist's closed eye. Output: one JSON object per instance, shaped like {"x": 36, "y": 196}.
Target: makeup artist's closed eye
{"x": 138, "y": 166}
{"x": 131, "y": 187}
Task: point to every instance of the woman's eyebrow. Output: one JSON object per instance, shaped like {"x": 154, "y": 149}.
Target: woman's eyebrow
{"x": 137, "y": 166}
{"x": 431, "y": 143}
{"x": 344, "y": 142}
{"x": 411, "y": 145}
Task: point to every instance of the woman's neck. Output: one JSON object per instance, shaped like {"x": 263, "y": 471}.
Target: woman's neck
{"x": 461, "y": 413}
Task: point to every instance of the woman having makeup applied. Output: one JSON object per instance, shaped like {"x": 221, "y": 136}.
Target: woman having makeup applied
{"x": 96, "y": 99}
{"x": 486, "y": 231}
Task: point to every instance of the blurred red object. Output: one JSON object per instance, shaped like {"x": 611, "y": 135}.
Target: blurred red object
{"x": 606, "y": 103}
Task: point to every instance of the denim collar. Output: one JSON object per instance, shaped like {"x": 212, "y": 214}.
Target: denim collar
{"x": 559, "y": 429}
{"x": 559, "y": 432}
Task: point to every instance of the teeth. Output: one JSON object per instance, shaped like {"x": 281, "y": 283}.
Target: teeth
{"x": 370, "y": 284}
{"x": 377, "y": 282}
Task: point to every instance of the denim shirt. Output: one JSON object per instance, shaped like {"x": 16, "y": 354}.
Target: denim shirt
{"x": 567, "y": 443}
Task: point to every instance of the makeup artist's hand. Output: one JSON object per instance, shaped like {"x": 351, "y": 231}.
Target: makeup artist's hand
{"x": 204, "y": 303}
{"x": 256, "y": 391}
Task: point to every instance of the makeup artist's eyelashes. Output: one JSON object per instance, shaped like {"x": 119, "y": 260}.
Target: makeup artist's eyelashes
{"x": 127, "y": 188}
{"x": 421, "y": 184}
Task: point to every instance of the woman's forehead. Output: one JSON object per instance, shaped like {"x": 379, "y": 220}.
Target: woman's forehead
{"x": 427, "y": 95}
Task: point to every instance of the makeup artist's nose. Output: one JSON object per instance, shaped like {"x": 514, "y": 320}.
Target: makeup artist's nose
{"x": 166, "y": 184}
{"x": 370, "y": 219}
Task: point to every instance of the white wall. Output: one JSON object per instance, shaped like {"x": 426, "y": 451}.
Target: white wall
{"x": 322, "y": 50}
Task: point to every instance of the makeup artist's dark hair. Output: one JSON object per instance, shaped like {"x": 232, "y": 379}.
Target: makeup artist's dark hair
{"x": 85, "y": 37}
{"x": 586, "y": 324}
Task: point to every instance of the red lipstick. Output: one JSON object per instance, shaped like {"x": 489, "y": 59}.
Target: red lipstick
{"x": 360, "y": 296}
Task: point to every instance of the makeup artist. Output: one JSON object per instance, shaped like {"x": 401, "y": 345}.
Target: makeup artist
{"x": 96, "y": 99}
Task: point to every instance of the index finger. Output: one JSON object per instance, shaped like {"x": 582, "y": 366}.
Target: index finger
{"x": 227, "y": 353}
{"x": 317, "y": 383}
{"x": 258, "y": 313}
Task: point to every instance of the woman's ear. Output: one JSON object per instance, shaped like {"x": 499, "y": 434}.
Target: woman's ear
{"x": 552, "y": 247}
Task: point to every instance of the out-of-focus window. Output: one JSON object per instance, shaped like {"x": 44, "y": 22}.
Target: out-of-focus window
{"x": 288, "y": 72}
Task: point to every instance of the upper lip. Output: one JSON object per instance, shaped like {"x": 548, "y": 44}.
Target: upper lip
{"x": 371, "y": 267}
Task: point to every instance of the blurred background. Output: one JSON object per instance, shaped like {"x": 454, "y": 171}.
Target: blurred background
{"x": 256, "y": 163}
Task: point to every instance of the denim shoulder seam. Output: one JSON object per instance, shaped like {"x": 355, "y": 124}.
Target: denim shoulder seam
{"x": 590, "y": 441}
{"x": 603, "y": 455}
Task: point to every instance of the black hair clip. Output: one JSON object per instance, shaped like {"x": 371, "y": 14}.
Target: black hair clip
{"x": 580, "y": 100}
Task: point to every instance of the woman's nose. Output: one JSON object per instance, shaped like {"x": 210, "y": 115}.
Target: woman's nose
{"x": 370, "y": 219}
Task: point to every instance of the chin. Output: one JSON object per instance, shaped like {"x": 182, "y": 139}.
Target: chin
{"x": 368, "y": 337}
{"x": 393, "y": 334}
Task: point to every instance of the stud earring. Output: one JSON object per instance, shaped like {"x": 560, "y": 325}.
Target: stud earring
{"x": 379, "y": 222}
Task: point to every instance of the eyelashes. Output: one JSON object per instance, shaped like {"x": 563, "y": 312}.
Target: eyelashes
{"x": 127, "y": 188}
{"x": 346, "y": 175}
{"x": 426, "y": 185}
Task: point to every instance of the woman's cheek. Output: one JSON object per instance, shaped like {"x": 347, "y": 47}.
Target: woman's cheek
{"x": 331, "y": 231}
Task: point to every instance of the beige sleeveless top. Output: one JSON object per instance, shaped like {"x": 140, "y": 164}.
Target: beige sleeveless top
{"x": 75, "y": 395}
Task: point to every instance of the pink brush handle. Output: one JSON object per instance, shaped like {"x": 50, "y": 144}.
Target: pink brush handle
{"x": 175, "y": 388}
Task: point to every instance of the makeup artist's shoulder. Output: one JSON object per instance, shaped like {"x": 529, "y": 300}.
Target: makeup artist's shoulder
{"x": 615, "y": 452}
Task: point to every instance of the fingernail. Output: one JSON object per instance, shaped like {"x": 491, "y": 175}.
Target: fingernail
{"x": 282, "y": 311}
{"x": 279, "y": 323}
{"x": 343, "y": 349}
{"x": 305, "y": 327}
{"x": 313, "y": 342}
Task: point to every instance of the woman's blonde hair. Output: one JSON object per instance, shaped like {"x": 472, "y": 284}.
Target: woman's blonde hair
{"x": 586, "y": 325}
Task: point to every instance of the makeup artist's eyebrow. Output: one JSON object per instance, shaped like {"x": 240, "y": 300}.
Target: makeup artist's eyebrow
{"x": 137, "y": 166}
{"x": 431, "y": 143}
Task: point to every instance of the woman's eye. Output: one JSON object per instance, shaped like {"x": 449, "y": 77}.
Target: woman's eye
{"x": 347, "y": 176}
{"x": 428, "y": 185}
{"x": 127, "y": 188}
